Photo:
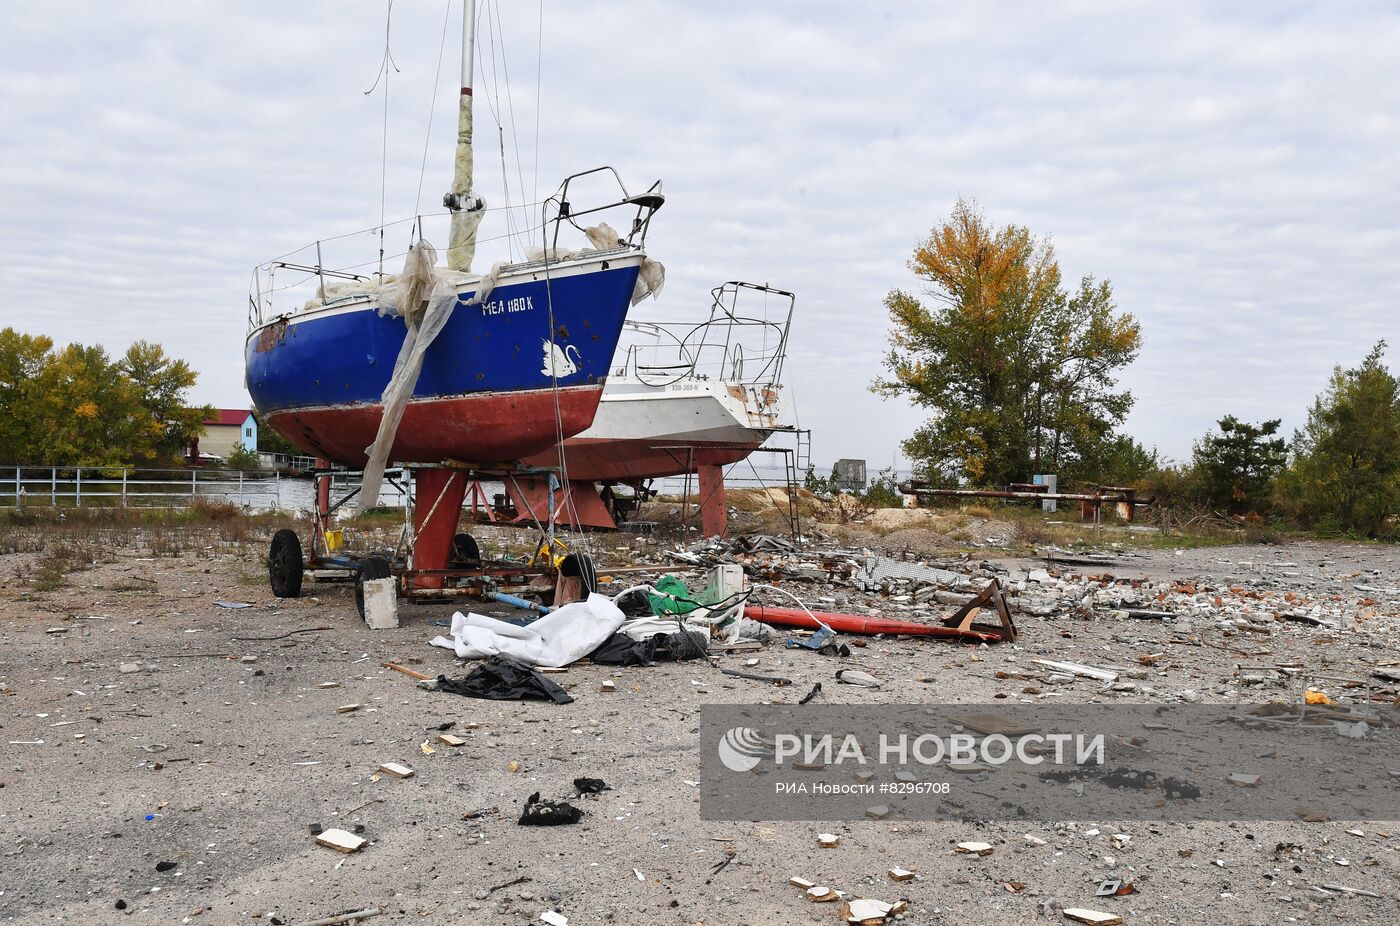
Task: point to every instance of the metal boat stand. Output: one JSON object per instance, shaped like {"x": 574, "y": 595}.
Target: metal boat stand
{"x": 432, "y": 560}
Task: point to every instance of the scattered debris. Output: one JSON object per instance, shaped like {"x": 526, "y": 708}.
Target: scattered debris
{"x": 828, "y": 840}
{"x": 340, "y": 840}
{"x": 778, "y": 680}
{"x": 1074, "y": 668}
{"x": 974, "y": 848}
{"x": 540, "y": 812}
{"x": 396, "y": 769}
{"x": 502, "y": 679}
{"x": 351, "y": 917}
{"x": 1343, "y": 889}
{"x": 1092, "y": 917}
{"x": 1114, "y": 888}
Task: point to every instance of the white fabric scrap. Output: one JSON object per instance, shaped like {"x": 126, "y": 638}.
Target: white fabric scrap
{"x": 602, "y": 236}
{"x": 488, "y": 283}
{"x": 557, "y": 639}
{"x": 650, "y": 280}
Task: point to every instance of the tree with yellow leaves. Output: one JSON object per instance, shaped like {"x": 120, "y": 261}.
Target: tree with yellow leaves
{"x": 1018, "y": 372}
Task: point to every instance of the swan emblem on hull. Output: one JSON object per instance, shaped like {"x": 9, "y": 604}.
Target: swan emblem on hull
{"x": 558, "y": 363}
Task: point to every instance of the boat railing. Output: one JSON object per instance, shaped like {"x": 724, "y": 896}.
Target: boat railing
{"x": 345, "y": 269}
{"x": 737, "y": 343}
{"x": 561, "y": 209}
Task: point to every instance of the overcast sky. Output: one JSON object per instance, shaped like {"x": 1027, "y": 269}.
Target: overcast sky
{"x": 1230, "y": 167}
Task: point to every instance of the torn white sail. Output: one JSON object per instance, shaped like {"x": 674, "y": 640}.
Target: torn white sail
{"x": 426, "y": 297}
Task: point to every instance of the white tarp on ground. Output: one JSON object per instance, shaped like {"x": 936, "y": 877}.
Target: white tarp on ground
{"x": 557, "y": 639}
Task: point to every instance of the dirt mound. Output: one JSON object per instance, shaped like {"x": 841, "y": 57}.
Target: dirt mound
{"x": 919, "y": 540}
{"x": 986, "y": 531}
{"x": 897, "y": 519}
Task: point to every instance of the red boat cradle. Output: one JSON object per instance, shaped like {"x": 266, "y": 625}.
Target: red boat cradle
{"x": 960, "y": 625}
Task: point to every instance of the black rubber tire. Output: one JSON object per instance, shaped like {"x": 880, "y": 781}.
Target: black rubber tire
{"x": 581, "y": 564}
{"x": 465, "y": 552}
{"x": 373, "y": 567}
{"x": 284, "y": 564}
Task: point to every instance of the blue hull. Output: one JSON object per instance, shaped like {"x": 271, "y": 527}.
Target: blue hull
{"x": 318, "y": 378}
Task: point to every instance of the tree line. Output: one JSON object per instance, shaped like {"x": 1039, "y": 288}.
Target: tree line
{"x": 1018, "y": 371}
{"x": 80, "y": 406}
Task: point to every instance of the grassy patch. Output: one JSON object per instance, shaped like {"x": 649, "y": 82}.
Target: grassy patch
{"x": 57, "y": 562}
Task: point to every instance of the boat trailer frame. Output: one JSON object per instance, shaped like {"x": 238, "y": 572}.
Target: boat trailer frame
{"x": 463, "y": 572}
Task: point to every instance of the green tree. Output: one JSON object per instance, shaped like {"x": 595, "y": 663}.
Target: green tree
{"x": 22, "y": 360}
{"x": 77, "y": 406}
{"x": 269, "y": 441}
{"x": 169, "y": 423}
{"x": 1115, "y": 460}
{"x": 1238, "y": 465}
{"x": 241, "y": 458}
{"x": 1345, "y": 472}
{"x": 1017, "y": 371}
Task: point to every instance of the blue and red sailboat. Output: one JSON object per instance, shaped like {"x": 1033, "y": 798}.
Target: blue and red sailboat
{"x": 506, "y": 377}
{"x": 490, "y": 380}
{"x": 442, "y": 367}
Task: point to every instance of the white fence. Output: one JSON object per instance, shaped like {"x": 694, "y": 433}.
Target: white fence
{"x": 121, "y": 487}
{"x": 131, "y": 487}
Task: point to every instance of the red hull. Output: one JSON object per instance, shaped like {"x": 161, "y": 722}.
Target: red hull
{"x": 599, "y": 459}
{"x": 485, "y": 428}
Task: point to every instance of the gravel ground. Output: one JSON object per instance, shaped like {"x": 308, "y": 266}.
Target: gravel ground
{"x": 218, "y": 755}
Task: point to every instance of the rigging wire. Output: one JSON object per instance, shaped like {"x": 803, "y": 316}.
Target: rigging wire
{"x": 432, "y": 107}
{"x": 385, "y": 64}
{"x": 493, "y": 102}
{"x": 510, "y": 106}
{"x": 539, "y": 90}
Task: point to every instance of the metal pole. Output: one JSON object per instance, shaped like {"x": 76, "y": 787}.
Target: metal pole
{"x": 240, "y": 487}
{"x": 124, "y": 488}
{"x": 78, "y": 487}
{"x": 53, "y": 487}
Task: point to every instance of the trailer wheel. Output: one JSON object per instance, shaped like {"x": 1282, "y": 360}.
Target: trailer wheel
{"x": 374, "y": 567}
{"x": 284, "y": 564}
{"x": 580, "y": 565}
{"x": 465, "y": 551}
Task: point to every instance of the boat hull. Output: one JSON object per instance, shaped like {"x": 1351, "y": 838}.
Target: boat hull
{"x": 647, "y": 432}
{"x": 490, "y": 381}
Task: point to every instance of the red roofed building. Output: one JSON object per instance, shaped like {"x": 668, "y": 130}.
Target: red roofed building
{"x": 225, "y": 432}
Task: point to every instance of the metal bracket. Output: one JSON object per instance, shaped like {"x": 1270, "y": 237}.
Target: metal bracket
{"x": 989, "y": 597}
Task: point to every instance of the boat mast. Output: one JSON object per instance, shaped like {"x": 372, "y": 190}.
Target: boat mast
{"x": 467, "y": 208}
